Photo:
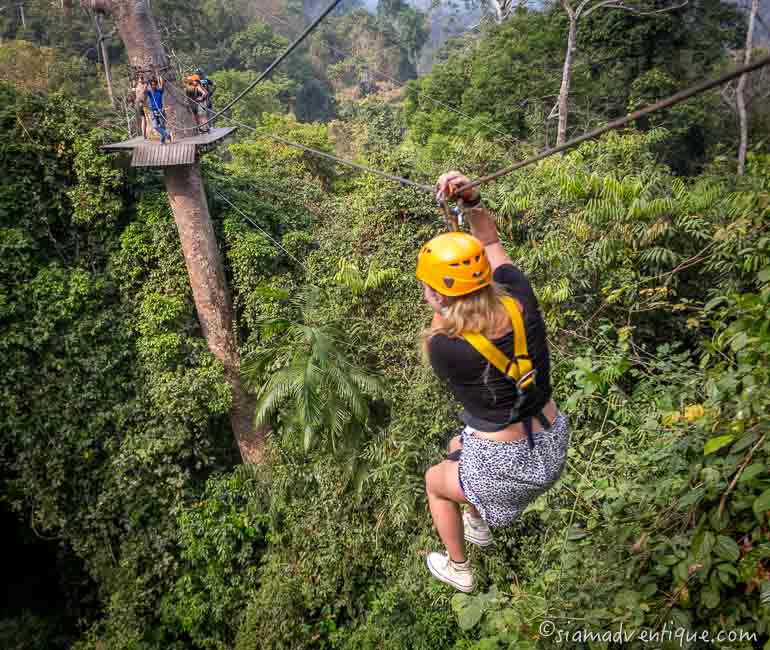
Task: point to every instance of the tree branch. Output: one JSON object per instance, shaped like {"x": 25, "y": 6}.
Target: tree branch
{"x": 583, "y": 5}
{"x": 730, "y": 488}
{"x": 618, "y": 4}
{"x": 554, "y": 111}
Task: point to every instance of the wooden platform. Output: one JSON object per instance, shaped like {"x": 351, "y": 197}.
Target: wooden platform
{"x": 151, "y": 153}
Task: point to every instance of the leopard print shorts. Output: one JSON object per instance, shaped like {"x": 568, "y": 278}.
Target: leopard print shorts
{"x": 502, "y": 478}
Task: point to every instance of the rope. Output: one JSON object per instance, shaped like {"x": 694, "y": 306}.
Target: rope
{"x": 681, "y": 96}
{"x": 311, "y": 27}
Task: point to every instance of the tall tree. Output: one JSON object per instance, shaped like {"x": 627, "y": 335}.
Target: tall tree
{"x": 104, "y": 55}
{"x": 574, "y": 14}
{"x": 740, "y": 98}
{"x": 187, "y": 196}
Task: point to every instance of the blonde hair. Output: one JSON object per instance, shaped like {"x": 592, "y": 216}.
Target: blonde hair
{"x": 480, "y": 311}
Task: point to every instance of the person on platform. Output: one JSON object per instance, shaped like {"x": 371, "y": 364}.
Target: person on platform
{"x": 154, "y": 98}
{"x": 197, "y": 98}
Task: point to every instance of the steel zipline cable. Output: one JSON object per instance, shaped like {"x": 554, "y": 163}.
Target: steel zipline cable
{"x": 677, "y": 98}
{"x": 318, "y": 153}
{"x": 615, "y": 124}
{"x": 266, "y": 72}
{"x": 611, "y": 126}
{"x": 681, "y": 96}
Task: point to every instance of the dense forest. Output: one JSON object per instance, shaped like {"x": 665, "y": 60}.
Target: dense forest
{"x": 132, "y": 522}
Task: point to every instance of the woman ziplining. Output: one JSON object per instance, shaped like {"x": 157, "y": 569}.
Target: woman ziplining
{"x": 487, "y": 340}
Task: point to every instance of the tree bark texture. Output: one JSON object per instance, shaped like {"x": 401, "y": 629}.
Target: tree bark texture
{"x": 740, "y": 95}
{"x": 566, "y": 80}
{"x": 502, "y": 10}
{"x": 212, "y": 298}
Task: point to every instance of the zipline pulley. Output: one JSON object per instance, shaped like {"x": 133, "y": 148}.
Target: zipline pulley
{"x": 453, "y": 217}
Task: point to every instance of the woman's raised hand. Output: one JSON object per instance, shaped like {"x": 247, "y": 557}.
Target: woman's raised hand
{"x": 448, "y": 183}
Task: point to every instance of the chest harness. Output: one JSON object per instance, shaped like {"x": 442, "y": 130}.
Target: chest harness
{"x": 518, "y": 370}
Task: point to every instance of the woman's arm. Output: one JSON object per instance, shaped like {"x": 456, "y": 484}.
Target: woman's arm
{"x": 482, "y": 223}
{"x": 484, "y": 228}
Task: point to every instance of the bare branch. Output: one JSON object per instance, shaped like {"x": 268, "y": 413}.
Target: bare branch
{"x": 618, "y": 4}
{"x": 612, "y": 4}
{"x": 566, "y": 6}
{"x": 554, "y": 111}
{"x": 583, "y": 5}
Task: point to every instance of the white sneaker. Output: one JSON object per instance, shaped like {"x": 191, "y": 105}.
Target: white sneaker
{"x": 476, "y": 531}
{"x": 458, "y": 575}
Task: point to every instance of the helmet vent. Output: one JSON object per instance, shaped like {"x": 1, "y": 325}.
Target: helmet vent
{"x": 449, "y": 282}
{"x": 455, "y": 264}
{"x": 467, "y": 262}
{"x": 478, "y": 257}
{"x": 477, "y": 274}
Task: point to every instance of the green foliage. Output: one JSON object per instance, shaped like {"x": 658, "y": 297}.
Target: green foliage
{"x": 265, "y": 98}
{"x": 655, "y": 288}
{"x": 256, "y": 47}
{"x": 301, "y": 360}
{"x": 350, "y": 277}
{"x": 221, "y": 539}
{"x": 28, "y": 631}
{"x": 265, "y": 153}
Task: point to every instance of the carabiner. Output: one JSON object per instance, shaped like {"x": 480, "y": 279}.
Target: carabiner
{"x": 450, "y": 216}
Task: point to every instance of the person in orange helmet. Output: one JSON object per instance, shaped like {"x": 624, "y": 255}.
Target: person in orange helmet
{"x": 487, "y": 340}
{"x": 197, "y": 98}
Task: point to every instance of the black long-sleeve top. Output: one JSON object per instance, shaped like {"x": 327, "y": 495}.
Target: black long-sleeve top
{"x": 486, "y": 395}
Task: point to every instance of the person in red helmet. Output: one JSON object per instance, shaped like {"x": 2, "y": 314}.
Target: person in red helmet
{"x": 487, "y": 340}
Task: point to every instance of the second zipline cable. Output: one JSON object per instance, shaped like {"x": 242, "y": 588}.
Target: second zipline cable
{"x": 280, "y": 59}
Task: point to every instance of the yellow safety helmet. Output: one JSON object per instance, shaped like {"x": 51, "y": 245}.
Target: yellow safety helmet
{"x": 454, "y": 264}
{"x": 194, "y": 77}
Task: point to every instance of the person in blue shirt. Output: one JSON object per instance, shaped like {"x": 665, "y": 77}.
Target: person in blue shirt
{"x": 155, "y": 104}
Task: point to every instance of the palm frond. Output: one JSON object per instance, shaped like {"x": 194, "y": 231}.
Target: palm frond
{"x": 280, "y": 386}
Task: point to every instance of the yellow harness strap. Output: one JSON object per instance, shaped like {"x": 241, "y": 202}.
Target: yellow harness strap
{"x": 520, "y": 368}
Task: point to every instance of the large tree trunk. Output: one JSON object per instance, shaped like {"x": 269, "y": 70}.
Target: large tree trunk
{"x": 188, "y": 202}
{"x": 212, "y": 298}
{"x": 566, "y": 81}
{"x": 740, "y": 96}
